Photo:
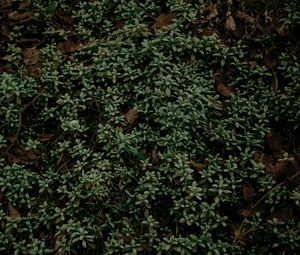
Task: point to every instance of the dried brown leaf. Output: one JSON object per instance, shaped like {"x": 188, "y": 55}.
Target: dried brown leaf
{"x": 1, "y": 197}
{"x": 230, "y": 24}
{"x": 239, "y": 235}
{"x": 64, "y": 19}
{"x": 163, "y": 20}
{"x": 270, "y": 61}
{"x": 131, "y": 115}
{"x": 198, "y": 166}
{"x": 212, "y": 11}
{"x": 25, "y": 4}
{"x": 4, "y": 4}
{"x": 225, "y": 90}
{"x": 206, "y": 31}
{"x": 248, "y": 192}
{"x": 284, "y": 214}
{"x": 19, "y": 155}
{"x": 34, "y": 70}
{"x": 218, "y": 76}
{"x": 68, "y": 47}
{"x": 125, "y": 237}
{"x": 260, "y": 208}
{"x": 246, "y": 212}
{"x": 72, "y": 47}
{"x": 260, "y": 157}
{"x": 57, "y": 244}
{"x": 20, "y": 16}
{"x": 13, "y": 212}
{"x": 274, "y": 82}
{"x": 120, "y": 24}
{"x": 283, "y": 30}
{"x": 252, "y": 63}
{"x": 274, "y": 143}
{"x": 6, "y": 69}
{"x": 31, "y": 56}
{"x": 45, "y": 137}
{"x": 147, "y": 249}
{"x": 284, "y": 168}
{"x": 247, "y": 18}
{"x": 155, "y": 157}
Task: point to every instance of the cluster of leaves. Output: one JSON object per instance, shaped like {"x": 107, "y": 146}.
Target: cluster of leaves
{"x": 127, "y": 133}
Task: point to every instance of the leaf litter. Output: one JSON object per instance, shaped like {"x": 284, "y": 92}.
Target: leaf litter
{"x": 13, "y": 212}
{"x": 18, "y": 154}
{"x": 164, "y": 20}
{"x": 131, "y": 116}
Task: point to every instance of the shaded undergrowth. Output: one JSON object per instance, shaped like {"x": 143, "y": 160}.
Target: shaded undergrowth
{"x": 149, "y": 127}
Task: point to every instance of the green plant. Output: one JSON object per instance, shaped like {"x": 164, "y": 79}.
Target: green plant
{"x": 188, "y": 174}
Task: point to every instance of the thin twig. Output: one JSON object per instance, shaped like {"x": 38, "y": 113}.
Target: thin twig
{"x": 22, "y": 110}
{"x": 259, "y": 201}
{"x": 268, "y": 193}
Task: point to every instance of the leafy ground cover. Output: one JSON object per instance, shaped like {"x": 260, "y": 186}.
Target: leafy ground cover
{"x": 149, "y": 127}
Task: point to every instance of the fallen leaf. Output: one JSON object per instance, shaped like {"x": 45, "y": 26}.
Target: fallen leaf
{"x": 20, "y": 16}
{"x": 19, "y": 155}
{"x": 163, "y": 20}
{"x": 206, "y": 31}
{"x": 274, "y": 143}
{"x": 6, "y": 4}
{"x": 1, "y": 197}
{"x": 57, "y": 243}
{"x": 248, "y": 192}
{"x": 270, "y": 61}
{"x": 247, "y": 18}
{"x": 283, "y": 30}
{"x": 120, "y": 24}
{"x": 281, "y": 169}
{"x": 45, "y": 137}
{"x": 225, "y": 90}
{"x": 13, "y": 212}
{"x": 31, "y": 56}
{"x": 72, "y": 47}
{"x": 65, "y": 19}
{"x": 252, "y": 63}
{"x": 246, "y": 212}
{"x": 260, "y": 157}
{"x": 34, "y": 70}
{"x": 274, "y": 82}
{"x": 284, "y": 214}
{"x": 5, "y": 32}
{"x": 131, "y": 115}
{"x": 68, "y": 47}
{"x": 230, "y": 24}
{"x": 218, "y": 76}
{"x": 155, "y": 157}
{"x": 260, "y": 208}
{"x": 25, "y": 4}
{"x": 147, "y": 249}
{"x": 265, "y": 28}
{"x": 239, "y": 235}
{"x": 6, "y": 69}
{"x": 125, "y": 238}
{"x": 198, "y": 166}
{"x": 212, "y": 11}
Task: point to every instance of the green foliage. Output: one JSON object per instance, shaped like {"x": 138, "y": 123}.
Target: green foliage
{"x": 106, "y": 186}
